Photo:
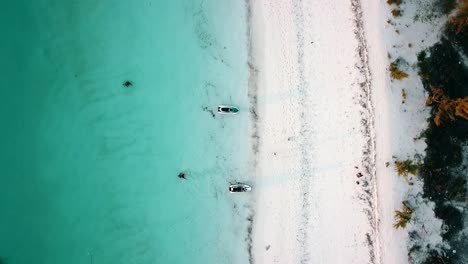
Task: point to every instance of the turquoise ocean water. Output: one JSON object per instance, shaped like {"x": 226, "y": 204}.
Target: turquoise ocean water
{"x": 89, "y": 167}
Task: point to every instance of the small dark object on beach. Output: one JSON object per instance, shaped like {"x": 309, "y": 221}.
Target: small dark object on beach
{"x": 357, "y": 182}
{"x": 356, "y": 167}
{"x": 359, "y": 175}
{"x": 127, "y": 83}
{"x": 182, "y": 175}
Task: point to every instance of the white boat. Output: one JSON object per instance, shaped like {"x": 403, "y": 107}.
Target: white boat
{"x": 227, "y": 109}
{"x": 239, "y": 187}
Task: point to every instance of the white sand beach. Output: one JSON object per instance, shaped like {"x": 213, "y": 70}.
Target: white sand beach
{"x": 315, "y": 135}
{"x": 327, "y": 115}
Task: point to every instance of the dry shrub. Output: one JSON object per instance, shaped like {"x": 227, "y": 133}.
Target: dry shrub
{"x": 460, "y": 18}
{"x": 396, "y": 2}
{"x": 447, "y": 109}
{"x": 403, "y": 217}
{"x": 406, "y": 167}
{"x": 396, "y": 12}
{"x": 396, "y": 73}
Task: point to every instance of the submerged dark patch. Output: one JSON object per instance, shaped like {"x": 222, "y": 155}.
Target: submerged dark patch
{"x": 127, "y": 84}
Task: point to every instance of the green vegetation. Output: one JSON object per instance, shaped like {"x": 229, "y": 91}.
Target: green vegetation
{"x": 441, "y": 67}
{"x": 445, "y": 6}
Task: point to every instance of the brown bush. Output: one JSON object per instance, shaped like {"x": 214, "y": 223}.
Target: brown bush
{"x": 396, "y": 12}
{"x": 396, "y": 2}
{"x": 396, "y": 73}
{"x": 447, "y": 109}
{"x": 460, "y": 18}
{"x": 403, "y": 217}
{"x": 406, "y": 167}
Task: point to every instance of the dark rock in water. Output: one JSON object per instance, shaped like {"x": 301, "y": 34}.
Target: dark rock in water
{"x": 127, "y": 83}
{"x": 181, "y": 175}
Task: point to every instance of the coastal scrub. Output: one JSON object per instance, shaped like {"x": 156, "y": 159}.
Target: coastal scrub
{"x": 444, "y": 75}
{"x": 447, "y": 109}
{"x": 402, "y": 217}
{"x": 460, "y": 18}
{"x": 395, "y": 72}
{"x": 406, "y": 167}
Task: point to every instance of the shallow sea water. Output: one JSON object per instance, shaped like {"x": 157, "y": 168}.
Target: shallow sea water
{"x": 89, "y": 166}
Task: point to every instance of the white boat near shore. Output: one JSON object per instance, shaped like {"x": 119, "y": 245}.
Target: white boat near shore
{"x": 227, "y": 110}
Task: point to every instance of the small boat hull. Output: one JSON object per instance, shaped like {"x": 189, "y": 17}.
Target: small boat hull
{"x": 239, "y": 187}
{"x": 227, "y": 110}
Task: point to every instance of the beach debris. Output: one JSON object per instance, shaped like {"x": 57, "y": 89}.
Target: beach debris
{"x": 403, "y": 96}
{"x": 359, "y": 175}
{"x": 424, "y": 229}
{"x": 267, "y": 247}
{"x": 128, "y": 83}
{"x": 356, "y": 167}
{"x": 357, "y": 182}
{"x": 387, "y": 164}
{"x": 182, "y": 175}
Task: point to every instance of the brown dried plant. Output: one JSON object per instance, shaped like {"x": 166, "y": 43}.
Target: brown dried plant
{"x": 406, "y": 167}
{"x": 396, "y": 12}
{"x": 460, "y": 18}
{"x": 396, "y": 2}
{"x": 403, "y": 217}
{"x": 396, "y": 73}
{"x": 447, "y": 109}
